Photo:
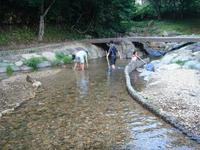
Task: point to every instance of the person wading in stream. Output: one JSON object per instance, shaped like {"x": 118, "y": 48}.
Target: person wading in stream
{"x": 112, "y": 55}
{"x": 80, "y": 59}
{"x": 134, "y": 56}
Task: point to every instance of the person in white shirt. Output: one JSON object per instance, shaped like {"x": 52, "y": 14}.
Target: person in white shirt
{"x": 80, "y": 59}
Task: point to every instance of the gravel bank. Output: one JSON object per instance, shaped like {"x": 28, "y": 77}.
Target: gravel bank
{"x": 176, "y": 93}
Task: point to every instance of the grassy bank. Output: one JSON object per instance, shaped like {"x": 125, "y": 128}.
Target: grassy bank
{"x": 13, "y": 36}
{"x": 188, "y": 27}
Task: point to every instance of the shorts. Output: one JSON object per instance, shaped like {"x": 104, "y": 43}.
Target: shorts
{"x": 112, "y": 60}
{"x": 80, "y": 60}
{"x": 77, "y": 59}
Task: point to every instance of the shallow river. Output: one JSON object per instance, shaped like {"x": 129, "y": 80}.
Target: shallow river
{"x": 87, "y": 110}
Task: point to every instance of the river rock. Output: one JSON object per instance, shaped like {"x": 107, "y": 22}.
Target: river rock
{"x": 25, "y": 68}
{"x": 2, "y": 69}
{"x": 145, "y": 73}
{"x": 194, "y": 47}
{"x": 29, "y": 56}
{"x": 15, "y": 68}
{"x": 49, "y": 56}
{"x": 167, "y": 59}
{"x": 127, "y": 48}
{"x": 157, "y": 45}
{"x": 192, "y": 65}
{"x": 170, "y": 33}
{"x": 44, "y": 64}
{"x": 19, "y": 63}
{"x": 156, "y": 64}
{"x": 169, "y": 67}
{"x": 182, "y": 58}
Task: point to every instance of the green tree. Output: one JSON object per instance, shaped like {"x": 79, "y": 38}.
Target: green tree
{"x": 43, "y": 7}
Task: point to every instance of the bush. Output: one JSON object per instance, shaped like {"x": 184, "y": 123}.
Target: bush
{"x": 9, "y": 70}
{"x": 60, "y": 55}
{"x": 33, "y": 62}
{"x": 67, "y": 59}
{"x": 64, "y": 58}
{"x": 144, "y": 12}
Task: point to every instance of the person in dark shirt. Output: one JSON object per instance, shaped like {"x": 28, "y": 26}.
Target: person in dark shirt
{"x": 112, "y": 54}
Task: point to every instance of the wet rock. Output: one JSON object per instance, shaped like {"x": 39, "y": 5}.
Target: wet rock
{"x": 44, "y": 64}
{"x": 25, "y": 68}
{"x": 36, "y": 84}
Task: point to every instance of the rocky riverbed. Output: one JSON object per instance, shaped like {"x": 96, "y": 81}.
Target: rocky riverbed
{"x": 15, "y": 90}
{"x": 174, "y": 87}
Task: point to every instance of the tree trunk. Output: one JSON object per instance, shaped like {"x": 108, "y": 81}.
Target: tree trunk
{"x": 42, "y": 17}
{"x": 41, "y": 28}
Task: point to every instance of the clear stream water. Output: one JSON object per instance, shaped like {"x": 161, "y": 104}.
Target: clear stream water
{"x": 87, "y": 110}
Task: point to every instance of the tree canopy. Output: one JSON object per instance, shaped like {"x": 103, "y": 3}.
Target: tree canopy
{"x": 94, "y": 17}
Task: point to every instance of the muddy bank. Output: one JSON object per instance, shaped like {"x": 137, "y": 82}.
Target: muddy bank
{"x": 15, "y": 90}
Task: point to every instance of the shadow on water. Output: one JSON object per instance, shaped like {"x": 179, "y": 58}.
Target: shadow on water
{"x": 87, "y": 110}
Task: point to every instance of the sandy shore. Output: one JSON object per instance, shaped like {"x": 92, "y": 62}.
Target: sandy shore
{"x": 15, "y": 90}
{"x": 176, "y": 93}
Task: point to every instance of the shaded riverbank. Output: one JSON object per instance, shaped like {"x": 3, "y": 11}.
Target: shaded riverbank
{"x": 88, "y": 110}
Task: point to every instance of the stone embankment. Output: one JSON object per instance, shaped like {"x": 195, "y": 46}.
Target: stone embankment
{"x": 172, "y": 91}
{"x": 48, "y": 55}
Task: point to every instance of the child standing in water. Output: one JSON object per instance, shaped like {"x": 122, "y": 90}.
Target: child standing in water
{"x": 134, "y": 56}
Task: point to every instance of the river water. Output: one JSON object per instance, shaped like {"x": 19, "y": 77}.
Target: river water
{"x": 87, "y": 110}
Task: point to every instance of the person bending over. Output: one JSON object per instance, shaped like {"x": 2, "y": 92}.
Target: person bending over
{"x": 80, "y": 59}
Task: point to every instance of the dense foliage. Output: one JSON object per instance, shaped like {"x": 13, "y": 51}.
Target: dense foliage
{"x": 170, "y": 9}
{"x": 83, "y": 16}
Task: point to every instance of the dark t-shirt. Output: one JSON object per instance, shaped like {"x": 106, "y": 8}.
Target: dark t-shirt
{"x": 112, "y": 51}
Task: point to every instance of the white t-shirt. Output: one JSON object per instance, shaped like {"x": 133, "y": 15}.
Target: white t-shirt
{"x": 82, "y": 55}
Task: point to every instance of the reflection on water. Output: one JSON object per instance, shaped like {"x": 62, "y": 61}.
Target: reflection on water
{"x": 87, "y": 110}
{"x": 82, "y": 81}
